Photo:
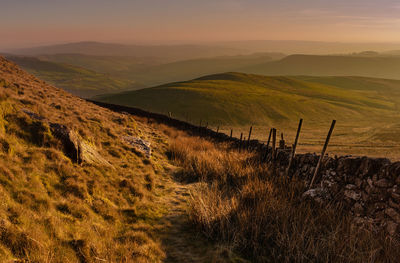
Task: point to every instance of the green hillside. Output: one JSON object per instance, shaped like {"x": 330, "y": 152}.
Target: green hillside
{"x": 151, "y": 71}
{"x": 240, "y": 99}
{"x": 77, "y": 80}
{"x": 87, "y": 75}
{"x": 313, "y": 65}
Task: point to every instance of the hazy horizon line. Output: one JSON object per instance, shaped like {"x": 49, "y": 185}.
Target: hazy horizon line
{"x": 185, "y": 42}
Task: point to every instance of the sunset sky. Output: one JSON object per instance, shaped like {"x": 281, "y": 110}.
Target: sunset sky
{"x": 36, "y": 22}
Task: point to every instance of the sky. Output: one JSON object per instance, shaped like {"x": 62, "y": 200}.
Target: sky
{"x": 25, "y": 23}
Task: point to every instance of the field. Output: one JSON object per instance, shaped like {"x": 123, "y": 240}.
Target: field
{"x": 365, "y": 108}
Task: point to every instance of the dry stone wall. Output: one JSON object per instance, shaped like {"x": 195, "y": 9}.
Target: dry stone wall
{"x": 368, "y": 187}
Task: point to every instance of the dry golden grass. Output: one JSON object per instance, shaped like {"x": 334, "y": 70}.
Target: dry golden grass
{"x": 54, "y": 210}
{"x": 264, "y": 218}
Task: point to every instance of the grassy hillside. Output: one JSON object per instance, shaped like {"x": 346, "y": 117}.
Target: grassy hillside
{"x": 53, "y": 209}
{"x": 367, "y": 66}
{"x": 238, "y": 99}
{"x": 366, "y": 108}
{"x": 151, "y": 71}
{"x": 86, "y": 75}
{"x": 77, "y": 80}
{"x": 120, "y": 204}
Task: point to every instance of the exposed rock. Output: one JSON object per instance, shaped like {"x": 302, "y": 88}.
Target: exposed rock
{"x": 393, "y": 204}
{"x": 352, "y": 195}
{"x": 396, "y": 197}
{"x": 75, "y": 148}
{"x": 33, "y": 115}
{"x": 139, "y": 144}
{"x": 69, "y": 141}
{"x": 393, "y": 214}
{"x": 383, "y": 183}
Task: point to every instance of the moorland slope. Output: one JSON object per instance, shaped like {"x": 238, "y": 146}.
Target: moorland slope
{"x": 239, "y": 99}
{"x": 78, "y": 183}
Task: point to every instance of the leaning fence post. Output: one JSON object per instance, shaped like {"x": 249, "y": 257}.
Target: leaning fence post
{"x": 269, "y": 140}
{"x": 323, "y": 152}
{"x": 294, "y": 147}
{"x": 231, "y": 133}
{"x": 218, "y": 129}
{"x": 273, "y": 143}
{"x": 248, "y": 139}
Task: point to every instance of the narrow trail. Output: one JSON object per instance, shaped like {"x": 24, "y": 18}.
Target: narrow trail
{"x": 180, "y": 240}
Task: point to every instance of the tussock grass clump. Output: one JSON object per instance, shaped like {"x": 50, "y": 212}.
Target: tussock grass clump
{"x": 263, "y": 217}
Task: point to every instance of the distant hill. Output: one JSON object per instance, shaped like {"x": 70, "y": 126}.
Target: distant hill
{"x": 168, "y": 53}
{"x": 239, "y": 99}
{"x": 308, "y": 47}
{"x": 87, "y": 76}
{"x": 367, "y": 66}
{"x": 152, "y": 71}
{"x": 77, "y": 80}
{"x": 189, "y": 69}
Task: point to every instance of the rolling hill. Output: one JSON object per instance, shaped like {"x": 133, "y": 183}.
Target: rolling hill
{"x": 239, "y": 99}
{"x": 152, "y": 71}
{"x": 77, "y": 80}
{"x": 86, "y": 75}
{"x": 316, "y": 65}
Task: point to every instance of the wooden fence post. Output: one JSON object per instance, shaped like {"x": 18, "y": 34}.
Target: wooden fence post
{"x": 282, "y": 142}
{"x": 274, "y": 144}
{"x": 294, "y": 147}
{"x": 231, "y": 133}
{"x": 248, "y": 139}
{"x": 218, "y": 129}
{"x": 267, "y": 150}
{"x": 323, "y": 152}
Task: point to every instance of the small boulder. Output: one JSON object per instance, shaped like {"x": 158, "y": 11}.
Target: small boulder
{"x": 75, "y": 148}
{"x": 353, "y": 195}
{"x": 318, "y": 194}
{"x": 393, "y": 214}
{"x": 138, "y": 144}
{"x": 383, "y": 183}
